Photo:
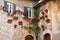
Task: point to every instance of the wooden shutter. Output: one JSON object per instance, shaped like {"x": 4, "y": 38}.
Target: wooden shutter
{"x": 14, "y": 9}
{"x": 25, "y": 12}
{"x": 6, "y": 7}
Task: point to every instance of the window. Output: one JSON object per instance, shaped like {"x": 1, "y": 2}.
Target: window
{"x": 27, "y": 12}
{"x": 9, "y": 7}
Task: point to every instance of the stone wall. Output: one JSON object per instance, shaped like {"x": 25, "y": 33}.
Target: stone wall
{"x": 6, "y": 30}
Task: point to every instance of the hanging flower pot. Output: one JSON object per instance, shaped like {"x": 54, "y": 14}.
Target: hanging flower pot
{"x": 46, "y": 10}
{"x": 15, "y": 26}
{"x": 48, "y": 20}
{"x": 20, "y": 22}
{"x": 9, "y": 21}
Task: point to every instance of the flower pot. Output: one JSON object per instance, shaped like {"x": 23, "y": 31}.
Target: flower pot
{"x": 48, "y": 20}
{"x": 20, "y": 22}
{"x": 9, "y": 21}
{"x": 15, "y": 26}
{"x": 43, "y": 13}
{"x": 46, "y": 10}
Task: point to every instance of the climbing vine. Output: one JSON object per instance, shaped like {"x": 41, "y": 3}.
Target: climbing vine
{"x": 34, "y": 22}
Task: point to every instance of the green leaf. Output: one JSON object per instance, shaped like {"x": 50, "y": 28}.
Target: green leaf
{"x": 26, "y": 28}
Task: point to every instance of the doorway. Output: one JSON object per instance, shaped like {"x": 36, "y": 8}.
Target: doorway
{"x": 47, "y": 36}
{"x": 29, "y": 37}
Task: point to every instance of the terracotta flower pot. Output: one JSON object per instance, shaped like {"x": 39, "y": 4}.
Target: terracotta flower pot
{"x": 15, "y": 26}
{"x": 48, "y": 20}
{"x": 46, "y": 10}
{"x": 9, "y": 21}
{"x": 20, "y": 22}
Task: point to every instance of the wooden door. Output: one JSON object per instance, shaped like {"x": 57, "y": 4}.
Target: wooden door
{"x": 47, "y": 37}
{"x": 29, "y": 37}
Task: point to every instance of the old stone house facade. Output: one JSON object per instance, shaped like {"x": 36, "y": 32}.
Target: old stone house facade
{"x": 11, "y": 24}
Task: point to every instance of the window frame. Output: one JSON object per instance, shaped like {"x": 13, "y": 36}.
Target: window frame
{"x": 29, "y": 14}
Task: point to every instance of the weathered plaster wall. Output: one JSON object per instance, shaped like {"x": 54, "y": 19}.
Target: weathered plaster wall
{"x": 8, "y": 32}
{"x": 54, "y": 15}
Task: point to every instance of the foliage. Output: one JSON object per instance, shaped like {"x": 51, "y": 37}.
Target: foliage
{"x": 35, "y": 28}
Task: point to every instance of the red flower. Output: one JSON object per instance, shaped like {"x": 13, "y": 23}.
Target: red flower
{"x": 43, "y": 27}
{"x": 43, "y": 13}
{"x": 42, "y": 17}
{"x": 46, "y": 16}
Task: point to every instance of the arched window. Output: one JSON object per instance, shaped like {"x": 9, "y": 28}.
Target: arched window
{"x": 47, "y": 36}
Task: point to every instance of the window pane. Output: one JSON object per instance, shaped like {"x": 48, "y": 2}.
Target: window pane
{"x": 27, "y": 11}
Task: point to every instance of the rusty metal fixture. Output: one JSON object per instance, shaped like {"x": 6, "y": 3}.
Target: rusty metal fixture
{"x": 9, "y": 21}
